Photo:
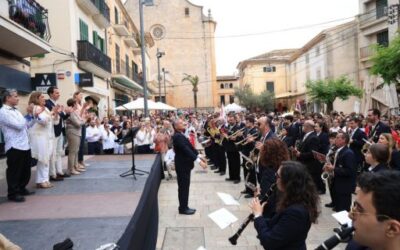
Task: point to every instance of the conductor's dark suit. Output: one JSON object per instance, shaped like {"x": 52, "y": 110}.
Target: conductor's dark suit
{"x": 344, "y": 178}
{"x": 309, "y": 144}
{"x": 357, "y": 144}
{"x": 185, "y": 155}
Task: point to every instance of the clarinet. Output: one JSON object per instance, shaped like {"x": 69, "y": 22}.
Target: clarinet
{"x": 333, "y": 241}
{"x": 250, "y": 218}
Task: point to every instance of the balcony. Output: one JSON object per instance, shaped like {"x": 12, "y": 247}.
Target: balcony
{"x": 366, "y": 53}
{"x": 373, "y": 18}
{"x": 122, "y": 27}
{"x": 131, "y": 42}
{"x": 93, "y": 60}
{"x": 26, "y": 29}
{"x": 125, "y": 76}
{"x": 98, "y": 9}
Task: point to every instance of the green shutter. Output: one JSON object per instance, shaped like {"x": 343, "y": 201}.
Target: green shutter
{"x": 84, "y": 30}
{"x": 101, "y": 45}
{"x": 95, "y": 40}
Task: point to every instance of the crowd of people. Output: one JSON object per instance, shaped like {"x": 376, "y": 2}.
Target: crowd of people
{"x": 296, "y": 153}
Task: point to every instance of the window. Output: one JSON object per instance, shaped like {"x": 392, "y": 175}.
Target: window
{"x": 382, "y": 38}
{"x": 317, "y": 51}
{"x": 307, "y": 59}
{"x": 222, "y": 98}
{"x": 226, "y": 85}
{"x": 381, "y": 8}
{"x": 84, "y": 30}
{"x": 127, "y": 72}
{"x": 187, "y": 12}
{"x": 98, "y": 42}
{"x": 117, "y": 59}
{"x": 135, "y": 68}
{"x": 231, "y": 99}
{"x": 269, "y": 69}
{"x": 116, "y": 15}
{"x": 230, "y": 85}
{"x": 221, "y": 86}
{"x": 270, "y": 87}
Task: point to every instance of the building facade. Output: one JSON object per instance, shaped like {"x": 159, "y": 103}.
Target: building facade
{"x": 185, "y": 36}
{"x": 226, "y": 89}
{"x": 376, "y": 28}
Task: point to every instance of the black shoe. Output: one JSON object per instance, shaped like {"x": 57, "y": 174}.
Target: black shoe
{"x": 187, "y": 211}
{"x": 329, "y": 205}
{"x": 249, "y": 196}
{"x": 217, "y": 171}
{"x": 65, "y": 175}
{"x": 66, "y": 244}
{"x": 222, "y": 173}
{"x": 244, "y": 191}
{"x": 16, "y": 198}
{"x": 58, "y": 178}
{"x": 236, "y": 181}
{"x": 229, "y": 179}
{"x": 26, "y": 192}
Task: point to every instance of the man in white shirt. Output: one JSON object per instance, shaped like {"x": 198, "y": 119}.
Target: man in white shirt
{"x": 93, "y": 136}
{"x": 18, "y": 152}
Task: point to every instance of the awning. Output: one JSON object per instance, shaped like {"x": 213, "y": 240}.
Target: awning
{"x": 288, "y": 95}
{"x": 127, "y": 82}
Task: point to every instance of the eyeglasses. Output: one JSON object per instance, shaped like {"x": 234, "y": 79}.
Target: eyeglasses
{"x": 357, "y": 210}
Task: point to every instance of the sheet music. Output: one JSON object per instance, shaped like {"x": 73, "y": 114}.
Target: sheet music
{"x": 223, "y": 218}
{"x": 228, "y": 199}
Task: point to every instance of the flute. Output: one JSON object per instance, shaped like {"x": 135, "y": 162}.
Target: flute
{"x": 250, "y": 218}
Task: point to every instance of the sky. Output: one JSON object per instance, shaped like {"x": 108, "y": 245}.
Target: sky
{"x": 246, "y": 19}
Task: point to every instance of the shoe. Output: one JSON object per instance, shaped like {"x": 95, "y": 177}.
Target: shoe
{"x": 65, "y": 175}
{"x": 229, "y": 179}
{"x": 26, "y": 192}
{"x": 217, "y": 171}
{"x": 16, "y": 198}
{"x": 44, "y": 185}
{"x": 244, "y": 191}
{"x": 222, "y": 173}
{"x": 74, "y": 172}
{"x": 329, "y": 205}
{"x": 57, "y": 178}
{"x": 236, "y": 181}
{"x": 66, "y": 244}
{"x": 249, "y": 196}
{"x": 81, "y": 170}
{"x": 187, "y": 211}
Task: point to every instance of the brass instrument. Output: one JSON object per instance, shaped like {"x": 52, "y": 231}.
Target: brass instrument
{"x": 249, "y": 162}
{"x": 330, "y": 157}
{"x": 245, "y": 140}
{"x": 366, "y": 146}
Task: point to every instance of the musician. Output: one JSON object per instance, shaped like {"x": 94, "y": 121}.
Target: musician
{"x": 331, "y": 158}
{"x": 185, "y": 155}
{"x": 309, "y": 143}
{"x": 250, "y": 132}
{"x": 283, "y": 137}
{"x": 344, "y": 173}
{"x": 272, "y": 154}
{"x": 357, "y": 141}
{"x": 218, "y": 150}
{"x": 232, "y": 152}
{"x": 375, "y": 212}
{"x": 377, "y": 156}
{"x": 377, "y": 127}
{"x": 208, "y": 149}
{"x": 292, "y": 130}
{"x": 296, "y": 209}
{"x": 322, "y": 133}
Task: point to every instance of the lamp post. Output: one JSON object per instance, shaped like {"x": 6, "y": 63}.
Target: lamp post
{"x": 159, "y": 55}
{"x": 165, "y": 89}
{"x": 143, "y": 47}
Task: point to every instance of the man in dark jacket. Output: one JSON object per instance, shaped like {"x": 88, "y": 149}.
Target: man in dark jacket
{"x": 357, "y": 141}
{"x": 344, "y": 173}
{"x": 185, "y": 155}
{"x": 377, "y": 127}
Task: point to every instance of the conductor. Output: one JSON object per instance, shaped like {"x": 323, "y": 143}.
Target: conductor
{"x": 185, "y": 155}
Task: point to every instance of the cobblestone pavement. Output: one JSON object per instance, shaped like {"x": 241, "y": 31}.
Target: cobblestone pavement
{"x": 203, "y": 197}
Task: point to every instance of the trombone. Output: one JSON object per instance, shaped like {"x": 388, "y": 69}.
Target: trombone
{"x": 249, "y": 162}
{"x": 244, "y": 141}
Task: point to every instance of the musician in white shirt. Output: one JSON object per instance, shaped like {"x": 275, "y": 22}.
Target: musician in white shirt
{"x": 14, "y": 128}
{"x": 93, "y": 137}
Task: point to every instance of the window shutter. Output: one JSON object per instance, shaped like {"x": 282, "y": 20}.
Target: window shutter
{"x": 95, "y": 40}
{"x": 84, "y": 30}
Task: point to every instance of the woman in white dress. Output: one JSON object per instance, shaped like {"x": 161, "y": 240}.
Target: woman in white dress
{"x": 41, "y": 137}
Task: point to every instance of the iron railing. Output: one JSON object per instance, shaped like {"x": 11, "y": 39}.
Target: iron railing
{"x": 103, "y": 8}
{"x": 88, "y": 52}
{"x": 31, "y": 16}
{"x": 120, "y": 67}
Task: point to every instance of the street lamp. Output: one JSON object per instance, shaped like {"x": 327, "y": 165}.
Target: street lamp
{"x": 165, "y": 89}
{"x": 159, "y": 55}
{"x": 143, "y": 47}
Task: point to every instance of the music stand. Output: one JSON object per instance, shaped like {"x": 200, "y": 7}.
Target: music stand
{"x": 129, "y": 138}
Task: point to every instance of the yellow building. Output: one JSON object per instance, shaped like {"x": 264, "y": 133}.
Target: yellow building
{"x": 186, "y": 37}
{"x": 226, "y": 89}
{"x": 269, "y": 72}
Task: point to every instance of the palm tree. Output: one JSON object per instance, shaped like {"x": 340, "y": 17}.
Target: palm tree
{"x": 194, "y": 80}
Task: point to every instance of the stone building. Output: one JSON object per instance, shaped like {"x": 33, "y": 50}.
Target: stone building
{"x": 226, "y": 89}
{"x": 186, "y": 36}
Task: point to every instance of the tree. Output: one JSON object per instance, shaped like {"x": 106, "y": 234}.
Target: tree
{"x": 263, "y": 101}
{"x": 386, "y": 62}
{"x": 326, "y": 91}
{"x": 194, "y": 80}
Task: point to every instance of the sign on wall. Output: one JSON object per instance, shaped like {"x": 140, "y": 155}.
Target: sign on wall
{"x": 84, "y": 79}
{"x": 41, "y": 82}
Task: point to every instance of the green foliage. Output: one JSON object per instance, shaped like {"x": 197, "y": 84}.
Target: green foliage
{"x": 386, "y": 62}
{"x": 263, "y": 101}
{"x": 326, "y": 91}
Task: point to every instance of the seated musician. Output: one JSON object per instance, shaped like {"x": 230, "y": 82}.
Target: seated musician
{"x": 296, "y": 209}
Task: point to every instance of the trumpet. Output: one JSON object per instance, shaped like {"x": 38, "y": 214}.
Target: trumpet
{"x": 245, "y": 140}
{"x": 235, "y": 133}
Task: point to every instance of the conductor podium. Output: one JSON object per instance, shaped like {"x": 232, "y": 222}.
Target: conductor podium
{"x": 129, "y": 138}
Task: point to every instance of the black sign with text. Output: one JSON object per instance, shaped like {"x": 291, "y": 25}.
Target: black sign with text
{"x": 41, "y": 82}
{"x": 86, "y": 80}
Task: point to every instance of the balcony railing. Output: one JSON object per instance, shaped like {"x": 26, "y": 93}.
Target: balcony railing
{"x": 366, "y": 52}
{"x": 120, "y": 67}
{"x": 88, "y": 52}
{"x": 31, "y": 16}
{"x": 103, "y": 8}
{"x": 372, "y": 15}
